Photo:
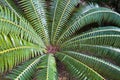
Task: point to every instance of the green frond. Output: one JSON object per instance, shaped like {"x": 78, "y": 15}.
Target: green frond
{"x": 12, "y": 5}
{"x": 47, "y": 69}
{"x": 86, "y": 8}
{"x": 15, "y": 8}
{"x": 25, "y": 71}
{"x": 104, "y": 68}
{"x": 10, "y": 23}
{"x": 83, "y": 10}
{"x": 102, "y": 41}
{"x": 16, "y": 12}
{"x": 61, "y": 13}
{"x": 34, "y": 11}
{"x": 91, "y": 9}
{"x": 97, "y": 16}
{"x": 14, "y": 50}
{"x": 78, "y": 69}
{"x": 99, "y": 36}
{"x": 2, "y": 2}
{"x": 107, "y": 52}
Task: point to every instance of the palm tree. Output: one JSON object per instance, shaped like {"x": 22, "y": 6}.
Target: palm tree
{"x": 35, "y": 35}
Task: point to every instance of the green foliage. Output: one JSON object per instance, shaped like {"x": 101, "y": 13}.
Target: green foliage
{"x": 24, "y": 71}
{"x": 96, "y": 16}
{"x": 14, "y": 51}
{"x": 101, "y": 66}
{"x": 77, "y": 68}
{"x": 61, "y": 13}
{"x": 47, "y": 69}
{"x": 35, "y": 13}
{"x": 84, "y": 37}
{"x": 11, "y": 23}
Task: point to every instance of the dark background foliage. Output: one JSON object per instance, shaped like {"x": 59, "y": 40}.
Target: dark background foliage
{"x": 113, "y": 4}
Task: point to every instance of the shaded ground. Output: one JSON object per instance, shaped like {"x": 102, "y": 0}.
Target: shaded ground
{"x": 62, "y": 72}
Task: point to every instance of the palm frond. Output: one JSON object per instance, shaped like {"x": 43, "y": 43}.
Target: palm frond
{"x": 61, "y": 13}
{"x": 83, "y": 10}
{"x": 11, "y": 5}
{"x": 93, "y": 16}
{"x": 103, "y": 42}
{"x": 104, "y": 68}
{"x": 107, "y": 52}
{"x": 77, "y": 68}
{"x": 2, "y": 2}
{"x": 99, "y": 36}
{"x": 14, "y": 50}
{"x": 16, "y": 11}
{"x": 47, "y": 69}
{"x": 10, "y": 23}
{"x": 34, "y": 11}
{"x": 25, "y": 71}
{"x": 19, "y": 14}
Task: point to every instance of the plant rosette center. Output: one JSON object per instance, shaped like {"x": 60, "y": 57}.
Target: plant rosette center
{"x": 52, "y": 49}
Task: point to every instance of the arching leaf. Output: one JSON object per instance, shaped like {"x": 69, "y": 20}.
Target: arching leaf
{"x": 47, "y": 69}
{"x": 14, "y": 50}
{"x": 62, "y": 11}
{"x": 25, "y": 71}
{"x": 92, "y": 17}
{"x": 104, "y": 68}
{"x": 35, "y": 13}
{"x": 77, "y": 68}
{"x": 10, "y": 23}
{"x": 99, "y": 36}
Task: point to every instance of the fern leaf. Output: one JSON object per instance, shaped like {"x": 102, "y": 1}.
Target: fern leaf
{"x": 35, "y": 13}
{"x": 15, "y": 50}
{"x": 104, "y": 68}
{"x": 77, "y": 68}
{"x": 61, "y": 13}
{"x": 47, "y": 69}
{"x": 92, "y": 17}
{"x": 10, "y": 22}
{"x": 24, "y": 71}
{"x": 99, "y": 36}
